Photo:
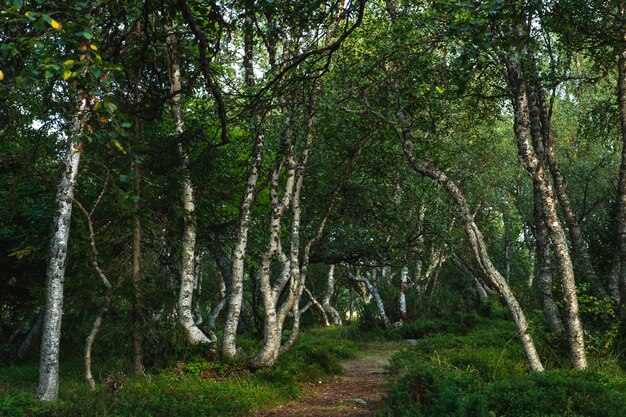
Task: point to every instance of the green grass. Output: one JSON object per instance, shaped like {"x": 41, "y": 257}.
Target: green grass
{"x": 198, "y": 386}
{"x": 483, "y": 373}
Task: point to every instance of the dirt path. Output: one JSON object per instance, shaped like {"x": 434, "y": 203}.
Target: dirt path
{"x": 358, "y": 392}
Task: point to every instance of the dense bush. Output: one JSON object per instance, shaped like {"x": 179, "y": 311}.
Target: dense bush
{"x": 484, "y": 373}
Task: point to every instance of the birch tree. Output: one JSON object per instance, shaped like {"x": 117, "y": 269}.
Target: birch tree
{"x": 187, "y": 278}
{"x": 48, "y": 387}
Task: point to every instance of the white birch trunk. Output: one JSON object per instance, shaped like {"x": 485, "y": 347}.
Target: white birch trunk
{"x": 330, "y": 289}
{"x": 187, "y": 274}
{"x": 48, "y": 388}
{"x": 419, "y": 251}
{"x": 404, "y": 288}
{"x": 374, "y": 292}
{"x": 229, "y": 346}
{"x": 318, "y": 305}
{"x": 477, "y": 243}
{"x": 555, "y": 229}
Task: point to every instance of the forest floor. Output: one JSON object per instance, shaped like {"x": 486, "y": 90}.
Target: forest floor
{"x": 358, "y": 392}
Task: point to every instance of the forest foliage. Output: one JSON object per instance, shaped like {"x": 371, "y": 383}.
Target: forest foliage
{"x": 194, "y": 184}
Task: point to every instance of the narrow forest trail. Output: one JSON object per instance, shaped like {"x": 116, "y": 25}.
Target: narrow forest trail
{"x": 358, "y": 392}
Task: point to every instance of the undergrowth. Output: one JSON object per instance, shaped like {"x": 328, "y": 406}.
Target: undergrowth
{"x": 200, "y": 385}
{"x": 483, "y": 373}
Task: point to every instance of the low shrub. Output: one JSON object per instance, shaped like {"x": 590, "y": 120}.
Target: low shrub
{"x": 484, "y": 373}
{"x": 197, "y": 384}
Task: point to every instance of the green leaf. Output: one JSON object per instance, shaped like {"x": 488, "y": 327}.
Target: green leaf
{"x": 127, "y": 177}
{"x": 96, "y": 72}
{"x": 111, "y": 107}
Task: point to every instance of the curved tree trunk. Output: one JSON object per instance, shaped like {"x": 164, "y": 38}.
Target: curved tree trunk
{"x": 32, "y": 339}
{"x": 549, "y": 202}
{"x": 330, "y": 289}
{"x": 374, "y": 292}
{"x": 478, "y": 245}
{"x": 187, "y": 273}
{"x": 483, "y": 296}
{"x": 95, "y": 328}
{"x": 317, "y": 305}
{"x": 229, "y": 347}
{"x": 541, "y": 132}
{"x": 48, "y": 388}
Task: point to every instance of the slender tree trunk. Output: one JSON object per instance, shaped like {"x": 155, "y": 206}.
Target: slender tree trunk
{"x": 437, "y": 258}
{"x": 270, "y": 294}
{"x": 478, "y": 245}
{"x": 95, "y": 328}
{"x": 299, "y": 271}
{"x": 185, "y": 298}
{"x": 229, "y": 347}
{"x": 318, "y": 305}
{"x": 544, "y": 271}
{"x": 539, "y": 124}
{"x": 32, "y": 339}
{"x": 224, "y": 272}
{"x": 483, "y": 296}
{"x": 48, "y": 388}
{"x": 330, "y": 289}
{"x": 105, "y": 280}
{"x": 137, "y": 281}
{"x": 419, "y": 250}
{"x": 351, "y": 303}
{"x": 374, "y": 292}
{"x": 541, "y": 180}
{"x": 404, "y": 288}
{"x": 540, "y": 131}
{"x": 293, "y": 277}
{"x": 507, "y": 247}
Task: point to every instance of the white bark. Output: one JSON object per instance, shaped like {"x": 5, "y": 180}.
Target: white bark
{"x": 386, "y": 274}
{"x": 229, "y": 347}
{"x": 419, "y": 251}
{"x": 187, "y": 274}
{"x": 477, "y": 243}
{"x": 437, "y": 258}
{"x": 330, "y": 289}
{"x": 57, "y": 253}
{"x": 374, "y": 292}
{"x": 404, "y": 288}
{"x": 317, "y": 305}
{"x": 541, "y": 180}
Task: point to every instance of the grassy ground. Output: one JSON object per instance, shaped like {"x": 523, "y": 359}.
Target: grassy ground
{"x": 479, "y": 370}
{"x": 199, "y": 386}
